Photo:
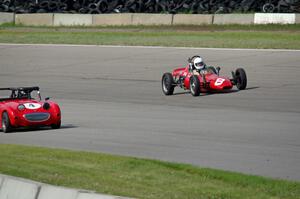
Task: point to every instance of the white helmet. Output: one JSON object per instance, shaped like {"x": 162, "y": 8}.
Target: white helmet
{"x": 199, "y": 63}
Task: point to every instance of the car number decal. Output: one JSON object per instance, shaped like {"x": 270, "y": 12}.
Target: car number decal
{"x": 219, "y": 81}
{"x": 32, "y": 106}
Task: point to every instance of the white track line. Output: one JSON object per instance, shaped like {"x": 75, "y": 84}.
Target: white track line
{"x": 151, "y": 47}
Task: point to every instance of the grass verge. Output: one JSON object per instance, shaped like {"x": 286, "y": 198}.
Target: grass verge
{"x": 133, "y": 177}
{"x": 217, "y": 36}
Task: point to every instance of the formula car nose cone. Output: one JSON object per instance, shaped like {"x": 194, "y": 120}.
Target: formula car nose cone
{"x": 37, "y": 117}
{"x": 221, "y": 84}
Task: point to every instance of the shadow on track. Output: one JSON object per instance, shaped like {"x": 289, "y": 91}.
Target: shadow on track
{"x": 217, "y": 92}
{"x": 37, "y": 129}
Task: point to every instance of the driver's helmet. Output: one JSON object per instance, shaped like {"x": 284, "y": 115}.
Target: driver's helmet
{"x": 199, "y": 63}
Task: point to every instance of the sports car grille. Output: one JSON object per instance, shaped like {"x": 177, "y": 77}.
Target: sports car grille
{"x": 37, "y": 117}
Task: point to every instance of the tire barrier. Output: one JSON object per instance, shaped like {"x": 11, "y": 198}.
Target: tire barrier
{"x": 150, "y": 6}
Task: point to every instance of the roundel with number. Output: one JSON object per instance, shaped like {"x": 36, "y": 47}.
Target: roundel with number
{"x": 32, "y": 106}
{"x": 219, "y": 81}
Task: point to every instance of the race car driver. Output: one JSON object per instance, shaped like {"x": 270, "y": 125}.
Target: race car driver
{"x": 197, "y": 66}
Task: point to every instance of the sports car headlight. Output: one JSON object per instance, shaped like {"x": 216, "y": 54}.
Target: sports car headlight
{"x": 46, "y": 106}
{"x": 21, "y": 107}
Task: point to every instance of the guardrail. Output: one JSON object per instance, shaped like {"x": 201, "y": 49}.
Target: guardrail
{"x": 51, "y": 19}
{"x": 19, "y": 188}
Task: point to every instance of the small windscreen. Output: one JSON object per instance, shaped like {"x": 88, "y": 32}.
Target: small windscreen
{"x": 5, "y": 94}
{"x": 35, "y": 95}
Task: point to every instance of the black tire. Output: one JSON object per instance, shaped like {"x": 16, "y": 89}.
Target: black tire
{"x": 195, "y": 85}
{"x": 56, "y": 126}
{"x": 6, "y": 126}
{"x": 167, "y": 84}
{"x": 240, "y": 78}
{"x": 268, "y": 8}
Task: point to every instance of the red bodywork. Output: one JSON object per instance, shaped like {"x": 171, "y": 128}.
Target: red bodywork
{"x": 213, "y": 81}
{"x": 34, "y": 114}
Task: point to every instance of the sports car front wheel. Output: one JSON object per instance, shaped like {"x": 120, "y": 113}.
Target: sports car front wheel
{"x": 56, "y": 126}
{"x": 6, "y": 127}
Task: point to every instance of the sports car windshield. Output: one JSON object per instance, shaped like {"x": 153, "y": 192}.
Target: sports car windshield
{"x": 19, "y": 94}
{"x": 35, "y": 95}
{"x": 4, "y": 94}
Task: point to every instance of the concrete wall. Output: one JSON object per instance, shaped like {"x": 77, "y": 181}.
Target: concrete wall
{"x": 221, "y": 19}
{"x": 297, "y": 20}
{"x": 151, "y": 19}
{"x": 35, "y": 19}
{"x": 112, "y": 19}
{"x": 147, "y": 19}
{"x": 73, "y": 20}
{"x": 18, "y": 188}
{"x": 6, "y": 17}
{"x": 274, "y": 18}
{"x": 188, "y": 19}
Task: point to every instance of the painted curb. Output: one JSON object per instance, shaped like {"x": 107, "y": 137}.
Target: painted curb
{"x": 19, "y": 188}
{"x": 50, "y": 192}
{"x": 97, "y": 196}
{"x": 1, "y": 181}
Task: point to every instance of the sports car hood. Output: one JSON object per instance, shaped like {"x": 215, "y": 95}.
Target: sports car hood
{"x": 30, "y": 105}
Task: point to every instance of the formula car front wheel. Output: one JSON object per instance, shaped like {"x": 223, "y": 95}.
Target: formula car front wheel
{"x": 6, "y": 127}
{"x": 240, "y": 78}
{"x": 167, "y": 84}
{"x": 195, "y": 85}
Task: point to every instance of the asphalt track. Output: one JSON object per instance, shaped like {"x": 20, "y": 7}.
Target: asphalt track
{"x": 112, "y": 102}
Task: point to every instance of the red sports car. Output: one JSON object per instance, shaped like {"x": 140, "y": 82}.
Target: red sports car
{"x": 25, "y": 108}
{"x": 198, "y": 82}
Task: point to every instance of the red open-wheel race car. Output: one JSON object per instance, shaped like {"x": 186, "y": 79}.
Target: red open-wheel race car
{"x": 207, "y": 80}
{"x": 25, "y": 108}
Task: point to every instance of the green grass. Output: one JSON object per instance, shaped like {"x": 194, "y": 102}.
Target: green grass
{"x": 228, "y": 36}
{"x": 204, "y": 27}
{"x": 133, "y": 177}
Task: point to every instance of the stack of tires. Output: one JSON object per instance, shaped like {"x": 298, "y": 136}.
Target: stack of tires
{"x": 148, "y": 6}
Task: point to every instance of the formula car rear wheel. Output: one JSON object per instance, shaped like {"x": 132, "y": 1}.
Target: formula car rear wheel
{"x": 6, "y": 127}
{"x": 56, "y": 126}
{"x": 240, "y": 78}
{"x": 195, "y": 85}
{"x": 167, "y": 84}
